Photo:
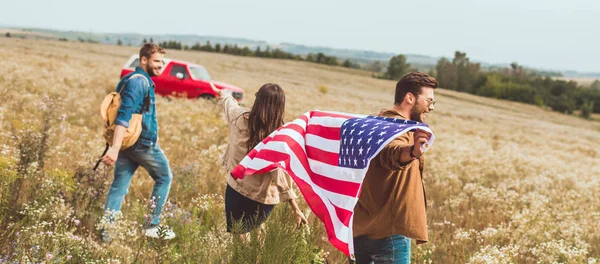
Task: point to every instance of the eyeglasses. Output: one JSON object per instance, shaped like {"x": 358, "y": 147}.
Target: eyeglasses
{"x": 431, "y": 102}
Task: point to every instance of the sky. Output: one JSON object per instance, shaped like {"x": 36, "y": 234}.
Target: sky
{"x": 544, "y": 34}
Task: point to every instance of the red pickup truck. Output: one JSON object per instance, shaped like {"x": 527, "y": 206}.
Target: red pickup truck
{"x": 183, "y": 79}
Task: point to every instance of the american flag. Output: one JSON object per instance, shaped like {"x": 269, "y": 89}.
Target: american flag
{"x": 327, "y": 154}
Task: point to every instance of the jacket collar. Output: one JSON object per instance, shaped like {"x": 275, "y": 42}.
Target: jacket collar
{"x": 139, "y": 70}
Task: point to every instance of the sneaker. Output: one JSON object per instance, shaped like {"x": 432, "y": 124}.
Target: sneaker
{"x": 154, "y": 232}
{"x": 105, "y": 236}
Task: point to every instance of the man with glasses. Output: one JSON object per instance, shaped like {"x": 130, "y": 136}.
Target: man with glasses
{"x": 391, "y": 208}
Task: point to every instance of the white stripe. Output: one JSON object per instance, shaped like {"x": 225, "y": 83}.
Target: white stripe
{"x": 258, "y": 164}
{"x": 327, "y": 121}
{"x": 323, "y": 143}
{"x": 299, "y": 122}
{"x": 341, "y": 231}
{"x": 293, "y": 134}
{"x": 342, "y": 113}
{"x": 340, "y": 200}
{"x": 338, "y": 173}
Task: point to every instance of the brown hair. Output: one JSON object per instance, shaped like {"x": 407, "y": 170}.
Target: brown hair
{"x": 412, "y": 83}
{"x": 150, "y": 48}
{"x": 266, "y": 114}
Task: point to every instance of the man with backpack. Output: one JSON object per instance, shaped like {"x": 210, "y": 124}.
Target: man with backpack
{"x": 137, "y": 98}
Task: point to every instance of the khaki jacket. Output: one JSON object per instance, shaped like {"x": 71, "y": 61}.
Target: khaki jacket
{"x": 267, "y": 188}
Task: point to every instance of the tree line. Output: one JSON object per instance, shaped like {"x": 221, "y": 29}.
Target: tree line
{"x": 514, "y": 83}
{"x": 267, "y": 52}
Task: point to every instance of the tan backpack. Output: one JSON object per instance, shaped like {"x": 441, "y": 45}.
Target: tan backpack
{"x": 108, "y": 112}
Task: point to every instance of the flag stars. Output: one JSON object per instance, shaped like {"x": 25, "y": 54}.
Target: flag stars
{"x": 379, "y": 141}
{"x": 359, "y": 140}
{"x": 360, "y": 151}
{"x": 380, "y": 134}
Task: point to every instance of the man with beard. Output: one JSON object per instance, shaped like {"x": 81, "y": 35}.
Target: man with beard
{"x": 391, "y": 208}
{"x": 138, "y": 97}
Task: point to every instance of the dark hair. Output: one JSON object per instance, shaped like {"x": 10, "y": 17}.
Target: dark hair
{"x": 150, "y": 48}
{"x": 266, "y": 114}
{"x": 412, "y": 83}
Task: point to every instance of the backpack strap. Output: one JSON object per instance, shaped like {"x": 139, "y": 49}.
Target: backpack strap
{"x": 125, "y": 83}
{"x": 146, "y": 105}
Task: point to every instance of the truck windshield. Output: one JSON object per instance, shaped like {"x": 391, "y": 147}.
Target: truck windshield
{"x": 199, "y": 73}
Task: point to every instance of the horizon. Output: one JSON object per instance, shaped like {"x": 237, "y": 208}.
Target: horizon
{"x": 545, "y": 35}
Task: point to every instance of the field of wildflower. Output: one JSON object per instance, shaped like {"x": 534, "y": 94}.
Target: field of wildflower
{"x": 506, "y": 182}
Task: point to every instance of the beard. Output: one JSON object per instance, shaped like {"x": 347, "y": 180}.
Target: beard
{"x": 417, "y": 113}
{"x": 150, "y": 70}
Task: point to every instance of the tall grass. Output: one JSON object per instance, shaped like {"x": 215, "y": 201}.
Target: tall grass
{"x": 506, "y": 182}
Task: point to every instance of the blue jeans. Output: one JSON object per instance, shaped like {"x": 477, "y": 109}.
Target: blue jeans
{"x": 393, "y": 249}
{"x": 151, "y": 158}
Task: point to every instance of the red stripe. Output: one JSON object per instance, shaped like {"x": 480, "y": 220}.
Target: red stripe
{"x": 333, "y": 185}
{"x": 324, "y": 114}
{"x": 337, "y": 186}
{"x": 343, "y": 214}
{"x": 333, "y": 133}
{"x": 342, "y": 187}
{"x": 322, "y": 155}
{"x": 313, "y": 200}
{"x": 295, "y": 127}
{"x": 318, "y": 207}
{"x": 305, "y": 118}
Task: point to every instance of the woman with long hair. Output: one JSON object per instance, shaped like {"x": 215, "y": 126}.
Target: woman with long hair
{"x": 250, "y": 200}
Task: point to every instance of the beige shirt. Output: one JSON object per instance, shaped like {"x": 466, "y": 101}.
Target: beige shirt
{"x": 392, "y": 200}
{"x": 266, "y": 188}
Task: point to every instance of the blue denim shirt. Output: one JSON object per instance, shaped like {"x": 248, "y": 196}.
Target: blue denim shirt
{"x": 138, "y": 97}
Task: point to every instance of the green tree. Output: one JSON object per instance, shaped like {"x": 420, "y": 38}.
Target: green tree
{"x": 376, "y": 66}
{"x": 7, "y": 35}
{"x": 258, "y": 52}
{"x": 587, "y": 108}
{"x": 207, "y": 46}
{"x": 595, "y": 85}
{"x": 397, "y": 67}
{"x": 347, "y": 63}
{"x": 119, "y": 42}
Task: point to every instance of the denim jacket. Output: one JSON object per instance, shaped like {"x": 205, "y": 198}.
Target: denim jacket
{"x": 138, "y": 97}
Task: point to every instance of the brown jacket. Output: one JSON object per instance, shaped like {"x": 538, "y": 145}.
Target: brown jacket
{"x": 267, "y": 188}
{"x": 392, "y": 200}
